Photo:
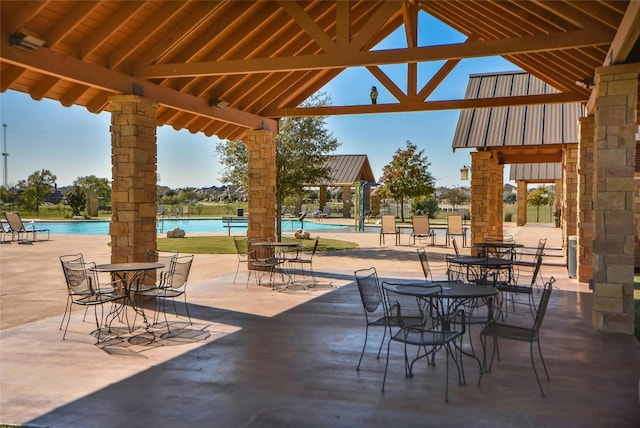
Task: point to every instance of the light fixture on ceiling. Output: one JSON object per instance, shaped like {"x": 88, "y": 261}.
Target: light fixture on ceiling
{"x": 374, "y": 95}
{"x": 24, "y": 41}
{"x": 464, "y": 173}
{"x": 586, "y": 83}
{"x": 218, "y": 103}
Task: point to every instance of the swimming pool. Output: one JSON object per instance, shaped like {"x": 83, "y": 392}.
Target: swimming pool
{"x": 101, "y": 227}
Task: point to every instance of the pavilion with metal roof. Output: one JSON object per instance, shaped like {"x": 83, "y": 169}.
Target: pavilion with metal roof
{"x": 233, "y": 68}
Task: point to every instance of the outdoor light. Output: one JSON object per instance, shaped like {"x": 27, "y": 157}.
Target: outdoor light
{"x": 586, "y": 83}
{"x": 218, "y": 103}
{"x": 464, "y": 173}
{"x": 24, "y": 41}
{"x": 374, "y": 95}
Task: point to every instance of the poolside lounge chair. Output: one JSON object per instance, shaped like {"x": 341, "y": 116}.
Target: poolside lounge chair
{"x": 21, "y": 232}
{"x": 421, "y": 229}
{"x": 388, "y": 227}
{"x": 455, "y": 227}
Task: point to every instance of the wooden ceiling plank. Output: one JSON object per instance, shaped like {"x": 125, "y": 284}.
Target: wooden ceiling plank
{"x": 72, "y": 95}
{"x": 9, "y": 75}
{"x": 25, "y": 13}
{"x": 118, "y": 56}
{"x": 72, "y": 69}
{"x": 577, "y": 17}
{"x": 380, "y": 57}
{"x": 100, "y": 34}
{"x": 39, "y": 91}
{"x": 368, "y": 31}
{"x": 308, "y": 25}
{"x": 99, "y": 103}
{"x": 64, "y": 27}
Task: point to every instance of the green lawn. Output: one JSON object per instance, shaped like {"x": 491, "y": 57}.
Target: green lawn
{"x": 225, "y": 245}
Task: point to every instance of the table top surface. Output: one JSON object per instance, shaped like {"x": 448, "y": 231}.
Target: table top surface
{"x": 481, "y": 261}
{"x": 275, "y": 244}
{"x": 449, "y": 289}
{"x": 497, "y": 244}
{"x": 132, "y": 266}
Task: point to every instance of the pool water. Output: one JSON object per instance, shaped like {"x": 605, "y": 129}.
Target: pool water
{"x": 101, "y": 227}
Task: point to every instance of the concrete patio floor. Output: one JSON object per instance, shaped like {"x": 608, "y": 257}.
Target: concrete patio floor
{"x": 263, "y": 358}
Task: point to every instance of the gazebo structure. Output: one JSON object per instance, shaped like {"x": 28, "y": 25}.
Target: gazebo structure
{"x": 231, "y": 69}
{"x": 348, "y": 171}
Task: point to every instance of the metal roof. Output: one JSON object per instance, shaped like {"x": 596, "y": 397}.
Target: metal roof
{"x": 536, "y": 172}
{"x": 347, "y": 169}
{"x": 526, "y": 125}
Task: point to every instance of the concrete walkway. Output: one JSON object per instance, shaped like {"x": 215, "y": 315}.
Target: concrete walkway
{"x": 259, "y": 357}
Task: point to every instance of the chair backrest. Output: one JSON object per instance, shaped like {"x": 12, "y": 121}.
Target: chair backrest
{"x": 185, "y": 209}
{"x": 14, "y": 220}
{"x": 424, "y": 262}
{"x": 536, "y": 271}
{"x": 454, "y": 225}
{"x": 78, "y": 275}
{"x": 369, "y": 288}
{"x": 544, "y": 301}
{"x": 180, "y": 274}
{"x": 326, "y": 210}
{"x": 420, "y": 225}
{"x": 388, "y": 223}
{"x": 163, "y": 275}
{"x": 455, "y": 246}
{"x": 242, "y": 245}
{"x": 542, "y": 242}
{"x": 315, "y": 246}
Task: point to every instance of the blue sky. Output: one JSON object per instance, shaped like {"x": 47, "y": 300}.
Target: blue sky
{"x": 71, "y": 142}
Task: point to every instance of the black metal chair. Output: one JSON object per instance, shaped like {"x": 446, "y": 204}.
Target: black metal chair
{"x": 83, "y": 289}
{"x": 372, "y": 302}
{"x": 530, "y": 334}
{"x": 242, "y": 250}
{"x": 424, "y": 262}
{"x": 172, "y": 285}
{"x": 433, "y": 333}
{"x": 303, "y": 261}
{"x": 514, "y": 290}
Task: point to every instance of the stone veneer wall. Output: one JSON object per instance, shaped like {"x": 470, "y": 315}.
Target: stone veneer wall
{"x": 585, "y": 199}
{"x": 261, "y": 182}
{"x": 486, "y": 197}
{"x": 637, "y": 216}
{"x": 133, "y": 189}
{"x": 614, "y": 205}
{"x": 521, "y": 203}
{"x": 569, "y": 192}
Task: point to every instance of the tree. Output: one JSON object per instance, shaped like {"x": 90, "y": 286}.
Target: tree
{"x": 94, "y": 185}
{"x": 538, "y": 197}
{"x": 234, "y": 159}
{"x": 455, "y": 197}
{"x": 301, "y": 149}
{"x": 407, "y": 176}
{"x": 35, "y": 189}
{"x": 425, "y": 206}
{"x": 77, "y": 200}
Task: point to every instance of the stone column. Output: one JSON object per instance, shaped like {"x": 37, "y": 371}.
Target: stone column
{"x": 585, "y": 199}
{"x": 486, "y": 196}
{"x": 614, "y": 159}
{"x": 322, "y": 194}
{"x": 346, "y": 201}
{"x": 558, "y": 201}
{"x": 261, "y": 151}
{"x": 133, "y": 189}
{"x": 521, "y": 203}
{"x": 569, "y": 192}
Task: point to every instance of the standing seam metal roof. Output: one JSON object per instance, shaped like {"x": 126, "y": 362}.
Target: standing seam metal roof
{"x": 516, "y": 125}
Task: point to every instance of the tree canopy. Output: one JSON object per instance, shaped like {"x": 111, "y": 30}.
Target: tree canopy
{"x": 97, "y": 186}
{"x": 407, "y": 176}
{"x": 34, "y": 189}
{"x": 301, "y": 149}
{"x": 455, "y": 197}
